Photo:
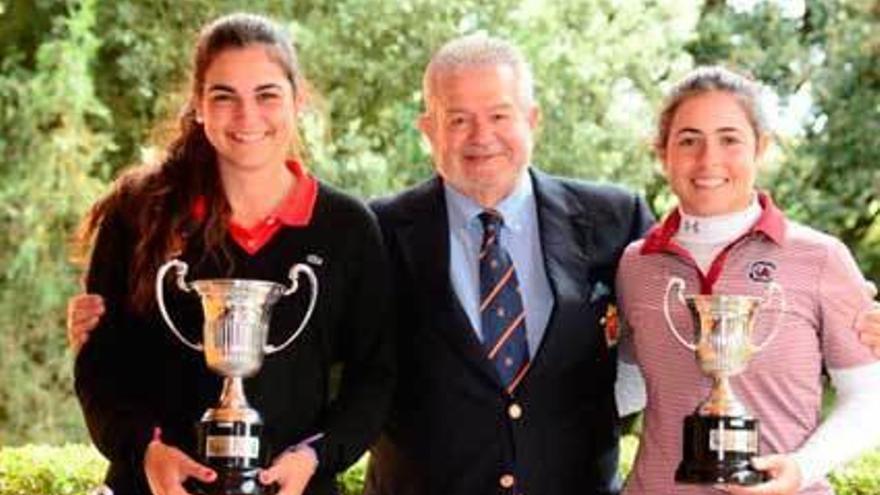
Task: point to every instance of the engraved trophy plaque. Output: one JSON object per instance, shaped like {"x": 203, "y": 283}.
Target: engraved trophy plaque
{"x": 237, "y": 313}
{"x": 721, "y": 436}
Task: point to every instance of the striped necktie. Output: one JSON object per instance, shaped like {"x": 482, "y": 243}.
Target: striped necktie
{"x": 501, "y": 308}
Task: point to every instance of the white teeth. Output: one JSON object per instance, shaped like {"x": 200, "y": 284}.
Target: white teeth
{"x": 710, "y": 182}
{"x": 248, "y": 137}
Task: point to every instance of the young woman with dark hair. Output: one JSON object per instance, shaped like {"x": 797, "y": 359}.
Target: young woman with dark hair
{"x": 233, "y": 199}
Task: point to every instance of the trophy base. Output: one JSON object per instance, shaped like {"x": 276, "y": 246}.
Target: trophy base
{"x": 717, "y": 449}
{"x": 229, "y": 441}
{"x": 711, "y": 474}
{"x": 232, "y": 482}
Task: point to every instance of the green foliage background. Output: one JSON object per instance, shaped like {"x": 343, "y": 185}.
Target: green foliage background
{"x": 84, "y": 85}
{"x": 76, "y": 469}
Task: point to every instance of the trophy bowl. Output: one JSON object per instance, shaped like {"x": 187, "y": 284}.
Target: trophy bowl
{"x": 237, "y": 314}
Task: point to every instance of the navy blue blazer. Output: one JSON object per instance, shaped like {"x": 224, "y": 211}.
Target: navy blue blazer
{"x": 453, "y": 430}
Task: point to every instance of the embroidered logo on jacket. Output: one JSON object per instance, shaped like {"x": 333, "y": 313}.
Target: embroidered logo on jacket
{"x": 762, "y": 271}
{"x": 611, "y": 324}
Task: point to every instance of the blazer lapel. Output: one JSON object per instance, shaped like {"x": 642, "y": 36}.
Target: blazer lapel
{"x": 566, "y": 245}
{"x": 424, "y": 243}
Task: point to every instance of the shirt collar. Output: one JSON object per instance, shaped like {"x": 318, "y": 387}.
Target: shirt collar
{"x": 463, "y": 210}
{"x": 296, "y": 207}
{"x": 771, "y": 223}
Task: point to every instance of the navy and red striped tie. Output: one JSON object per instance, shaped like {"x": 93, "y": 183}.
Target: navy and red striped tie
{"x": 501, "y": 308}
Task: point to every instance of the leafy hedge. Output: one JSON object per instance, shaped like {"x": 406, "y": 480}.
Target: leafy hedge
{"x": 861, "y": 477}
{"x": 75, "y": 469}
{"x": 71, "y": 469}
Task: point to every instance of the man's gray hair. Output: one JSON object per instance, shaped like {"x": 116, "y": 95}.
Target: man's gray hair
{"x": 479, "y": 50}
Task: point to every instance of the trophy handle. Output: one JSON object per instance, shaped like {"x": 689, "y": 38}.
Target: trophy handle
{"x": 675, "y": 283}
{"x": 182, "y": 268}
{"x": 772, "y": 288}
{"x": 295, "y": 270}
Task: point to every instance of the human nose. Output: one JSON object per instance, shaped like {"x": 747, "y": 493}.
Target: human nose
{"x": 246, "y": 110}
{"x": 709, "y": 154}
{"x": 481, "y": 131}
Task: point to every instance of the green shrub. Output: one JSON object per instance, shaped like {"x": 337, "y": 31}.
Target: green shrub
{"x": 71, "y": 469}
{"x": 861, "y": 477}
{"x": 75, "y": 469}
{"x": 352, "y": 481}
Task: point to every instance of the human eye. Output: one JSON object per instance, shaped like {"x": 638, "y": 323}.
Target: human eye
{"x": 730, "y": 140}
{"x": 686, "y": 141}
{"x": 221, "y": 97}
{"x": 457, "y": 121}
{"x": 268, "y": 96}
{"x": 500, "y": 116}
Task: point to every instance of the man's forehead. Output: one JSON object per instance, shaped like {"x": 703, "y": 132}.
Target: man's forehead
{"x": 487, "y": 86}
{"x": 498, "y": 107}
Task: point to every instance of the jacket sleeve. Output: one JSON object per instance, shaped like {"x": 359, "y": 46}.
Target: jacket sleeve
{"x": 366, "y": 349}
{"x": 110, "y": 373}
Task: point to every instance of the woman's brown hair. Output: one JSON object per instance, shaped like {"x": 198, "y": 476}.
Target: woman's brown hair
{"x": 156, "y": 201}
{"x": 705, "y": 79}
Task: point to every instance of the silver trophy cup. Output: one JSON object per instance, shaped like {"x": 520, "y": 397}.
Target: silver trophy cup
{"x": 721, "y": 436}
{"x": 235, "y": 333}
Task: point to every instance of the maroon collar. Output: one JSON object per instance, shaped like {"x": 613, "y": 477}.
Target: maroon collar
{"x": 771, "y": 223}
{"x": 295, "y": 210}
{"x": 296, "y": 207}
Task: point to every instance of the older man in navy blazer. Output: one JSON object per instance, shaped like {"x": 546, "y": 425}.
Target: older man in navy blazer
{"x": 505, "y": 381}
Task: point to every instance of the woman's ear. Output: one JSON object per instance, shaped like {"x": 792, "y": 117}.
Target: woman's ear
{"x": 196, "y": 109}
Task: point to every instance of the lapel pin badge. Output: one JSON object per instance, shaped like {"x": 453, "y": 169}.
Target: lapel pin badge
{"x": 600, "y": 290}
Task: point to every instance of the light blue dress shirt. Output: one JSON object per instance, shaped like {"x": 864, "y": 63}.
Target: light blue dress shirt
{"x": 522, "y": 240}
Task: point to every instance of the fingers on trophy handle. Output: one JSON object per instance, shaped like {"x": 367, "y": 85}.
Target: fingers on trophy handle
{"x": 295, "y": 271}
{"x": 675, "y": 283}
{"x": 182, "y": 268}
{"x": 773, "y": 288}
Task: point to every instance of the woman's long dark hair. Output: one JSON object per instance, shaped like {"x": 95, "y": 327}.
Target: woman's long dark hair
{"x": 156, "y": 201}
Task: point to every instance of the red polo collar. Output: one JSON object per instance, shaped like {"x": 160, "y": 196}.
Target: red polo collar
{"x": 771, "y": 223}
{"x": 295, "y": 210}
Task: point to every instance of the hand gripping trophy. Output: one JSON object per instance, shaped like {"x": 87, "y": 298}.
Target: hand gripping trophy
{"x": 234, "y": 340}
{"x": 721, "y": 436}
